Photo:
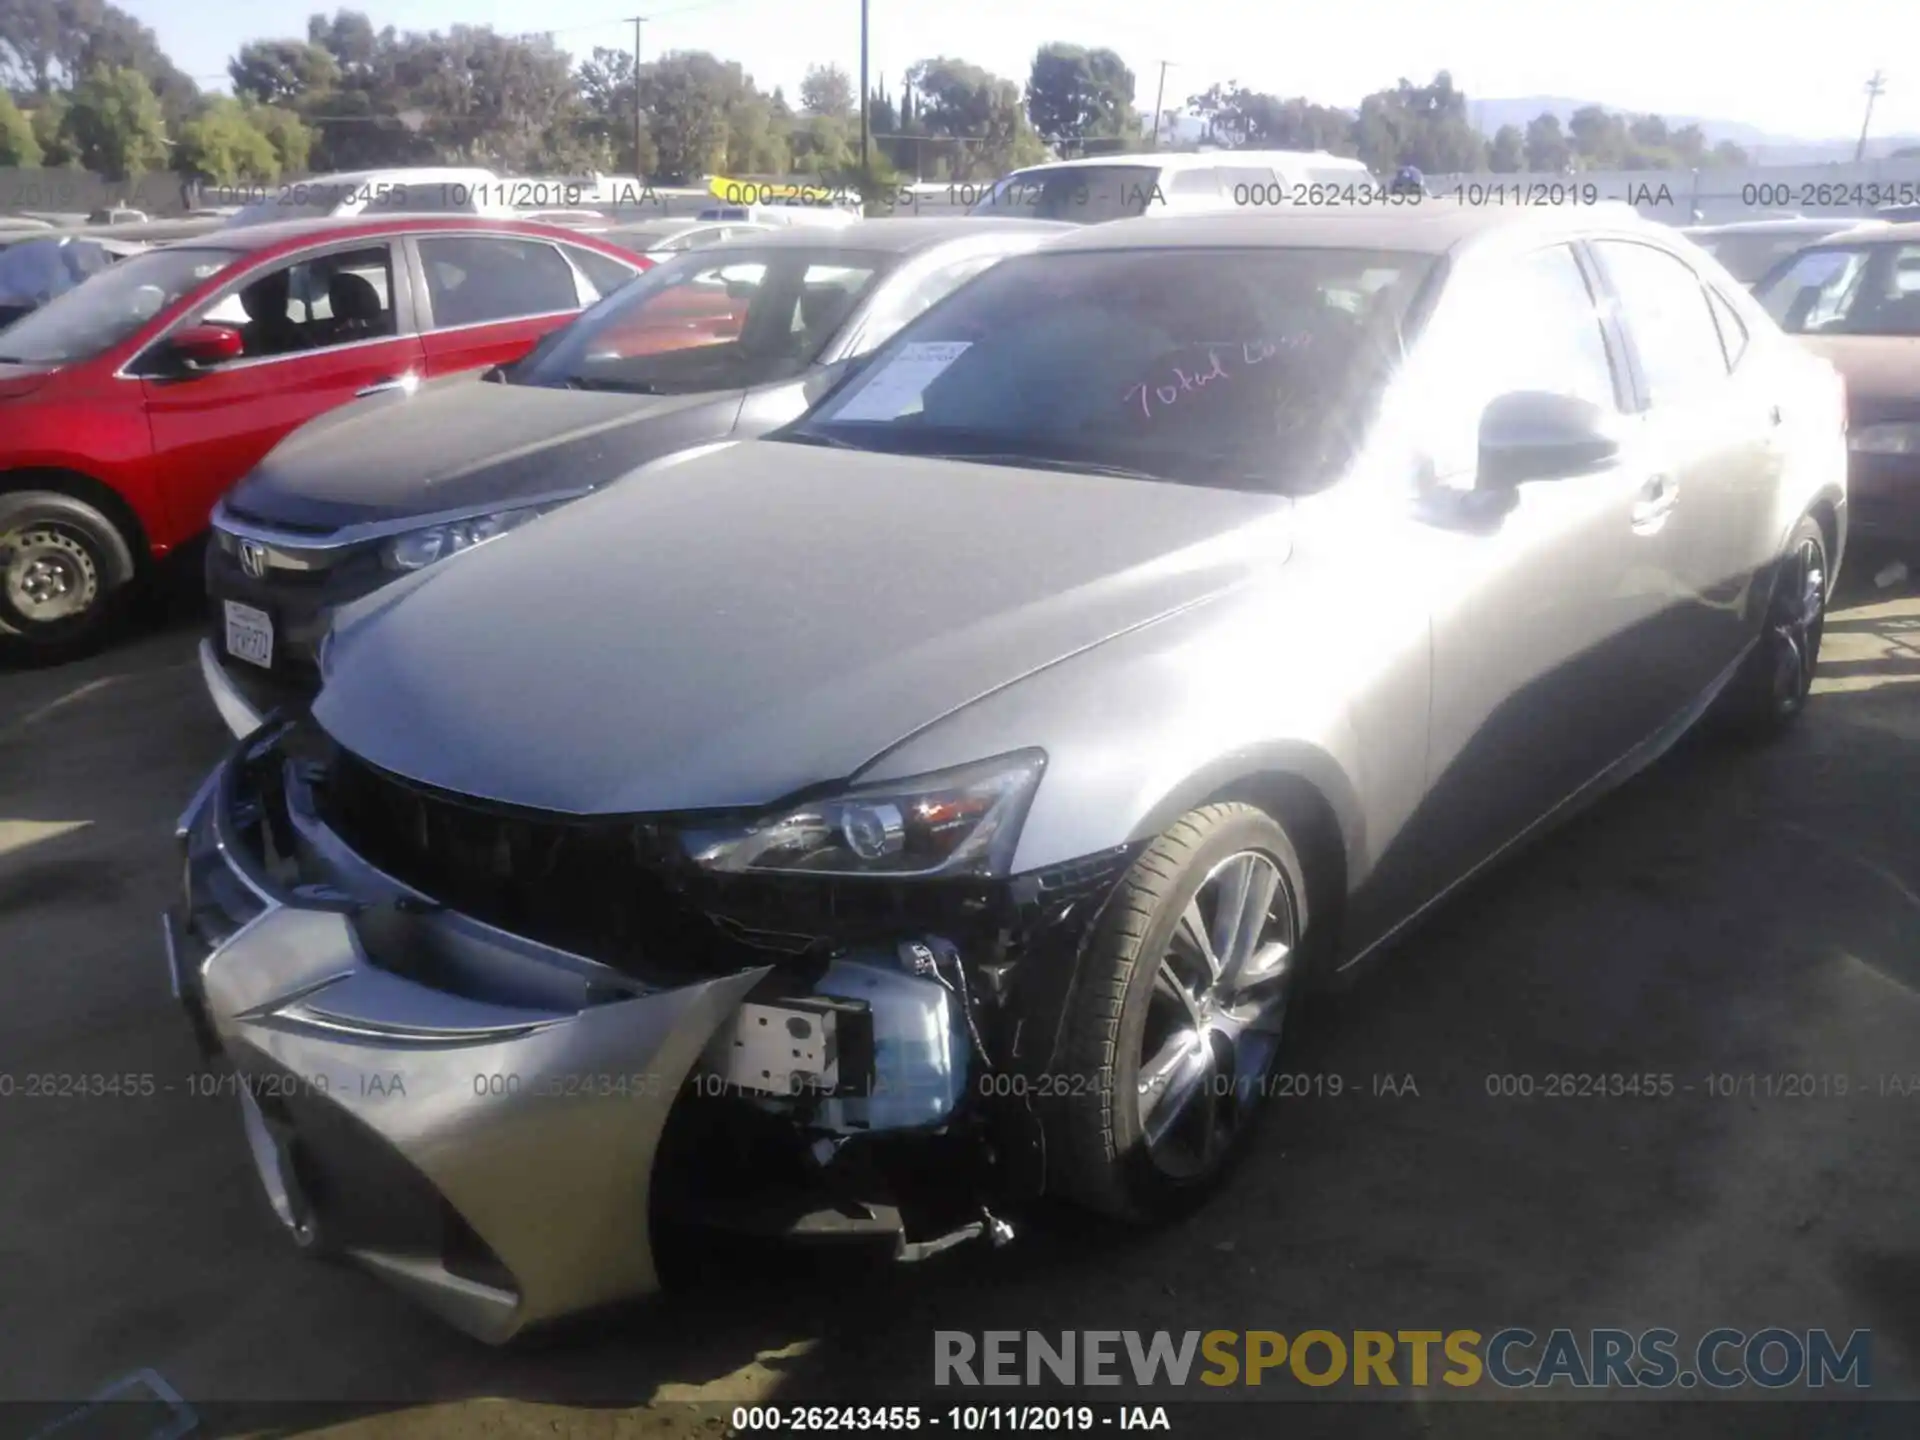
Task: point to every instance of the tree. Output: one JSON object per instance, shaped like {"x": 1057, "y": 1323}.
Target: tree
{"x": 1599, "y": 138}
{"x": 966, "y": 103}
{"x": 1075, "y": 94}
{"x": 49, "y": 121}
{"x": 283, "y": 72}
{"x": 489, "y": 98}
{"x": 49, "y": 46}
{"x": 1237, "y": 116}
{"x": 1420, "y": 125}
{"x": 223, "y": 146}
{"x": 826, "y": 90}
{"x": 1508, "y": 155}
{"x": 1547, "y": 149}
{"x": 286, "y": 132}
{"x": 686, "y": 95}
{"x": 18, "y": 145}
{"x": 114, "y": 126}
{"x": 606, "y": 123}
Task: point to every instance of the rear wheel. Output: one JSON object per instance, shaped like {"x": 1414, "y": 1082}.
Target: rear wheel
{"x": 1771, "y": 689}
{"x": 63, "y": 568}
{"x": 1185, "y": 998}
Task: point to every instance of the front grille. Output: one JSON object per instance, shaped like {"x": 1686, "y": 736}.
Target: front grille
{"x": 619, "y": 889}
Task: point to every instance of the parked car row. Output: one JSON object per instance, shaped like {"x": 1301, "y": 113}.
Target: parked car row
{"x": 727, "y": 343}
{"x": 862, "y": 730}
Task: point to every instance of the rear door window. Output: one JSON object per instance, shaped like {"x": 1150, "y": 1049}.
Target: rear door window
{"x": 481, "y": 279}
{"x": 1668, "y": 317}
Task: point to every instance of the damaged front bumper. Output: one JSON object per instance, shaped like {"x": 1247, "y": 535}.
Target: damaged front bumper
{"x": 494, "y": 1125}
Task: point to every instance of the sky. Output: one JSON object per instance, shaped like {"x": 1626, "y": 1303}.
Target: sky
{"x": 1797, "y": 68}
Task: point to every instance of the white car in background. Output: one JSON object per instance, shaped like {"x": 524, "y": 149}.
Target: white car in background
{"x": 421, "y": 190}
{"x": 1095, "y": 188}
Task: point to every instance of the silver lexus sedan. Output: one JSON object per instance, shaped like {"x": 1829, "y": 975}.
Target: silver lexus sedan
{"x": 946, "y": 801}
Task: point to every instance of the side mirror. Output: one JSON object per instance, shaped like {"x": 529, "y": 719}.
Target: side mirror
{"x": 1534, "y": 435}
{"x": 200, "y": 347}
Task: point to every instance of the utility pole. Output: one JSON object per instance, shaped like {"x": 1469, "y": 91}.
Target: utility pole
{"x": 1159, "y": 98}
{"x": 866, "y": 100}
{"x": 639, "y": 116}
{"x": 1876, "y": 87}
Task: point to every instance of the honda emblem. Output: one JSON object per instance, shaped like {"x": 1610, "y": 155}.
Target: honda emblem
{"x": 253, "y": 559}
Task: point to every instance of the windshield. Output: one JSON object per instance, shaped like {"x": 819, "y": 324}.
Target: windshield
{"x": 1846, "y": 290}
{"x": 716, "y": 319}
{"x": 1749, "y": 256}
{"x": 1240, "y": 368}
{"x": 1084, "y": 194}
{"x": 35, "y": 271}
{"x": 111, "y": 306}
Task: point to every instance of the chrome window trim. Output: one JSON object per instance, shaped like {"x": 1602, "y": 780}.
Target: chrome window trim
{"x": 297, "y": 545}
{"x": 248, "y": 273}
{"x": 430, "y": 328}
{"x": 510, "y": 320}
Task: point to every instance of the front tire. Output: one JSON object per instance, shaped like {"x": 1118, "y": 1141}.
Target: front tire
{"x": 63, "y": 567}
{"x": 1770, "y": 691}
{"x": 1185, "y": 995}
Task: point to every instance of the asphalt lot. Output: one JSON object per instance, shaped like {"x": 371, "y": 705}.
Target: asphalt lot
{"x": 1730, "y": 913}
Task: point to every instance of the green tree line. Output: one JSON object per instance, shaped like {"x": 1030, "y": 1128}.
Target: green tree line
{"x": 82, "y": 83}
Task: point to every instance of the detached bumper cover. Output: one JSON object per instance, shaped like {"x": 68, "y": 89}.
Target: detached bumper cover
{"x": 472, "y": 1150}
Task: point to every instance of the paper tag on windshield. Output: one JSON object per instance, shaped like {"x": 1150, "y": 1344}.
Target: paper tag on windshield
{"x": 892, "y": 392}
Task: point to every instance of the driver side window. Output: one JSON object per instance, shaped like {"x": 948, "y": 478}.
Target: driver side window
{"x": 1532, "y": 324}
{"x": 311, "y": 304}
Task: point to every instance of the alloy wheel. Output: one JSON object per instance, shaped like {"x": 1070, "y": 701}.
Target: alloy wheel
{"x": 1795, "y": 626}
{"x": 1216, "y": 1012}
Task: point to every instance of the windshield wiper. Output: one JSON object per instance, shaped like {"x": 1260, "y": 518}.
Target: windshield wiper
{"x": 625, "y": 387}
{"x": 813, "y": 437}
{"x": 1044, "y": 462}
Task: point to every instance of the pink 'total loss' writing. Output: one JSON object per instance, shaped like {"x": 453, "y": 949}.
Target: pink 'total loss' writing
{"x": 1253, "y": 352}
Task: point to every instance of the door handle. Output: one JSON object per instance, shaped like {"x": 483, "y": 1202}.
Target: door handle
{"x": 1657, "y": 499}
{"x": 408, "y": 382}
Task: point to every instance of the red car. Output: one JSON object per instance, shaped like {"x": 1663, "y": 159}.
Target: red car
{"x": 129, "y": 404}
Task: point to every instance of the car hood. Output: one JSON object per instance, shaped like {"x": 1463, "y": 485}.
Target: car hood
{"x": 460, "y": 443}
{"x": 1882, "y": 373}
{"x": 730, "y": 629}
{"x": 19, "y": 380}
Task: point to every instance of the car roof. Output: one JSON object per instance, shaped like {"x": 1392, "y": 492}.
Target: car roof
{"x": 288, "y": 234}
{"x": 1188, "y": 159}
{"x": 1906, "y": 232}
{"x": 1789, "y": 225}
{"x": 1430, "y": 226}
{"x": 894, "y": 234}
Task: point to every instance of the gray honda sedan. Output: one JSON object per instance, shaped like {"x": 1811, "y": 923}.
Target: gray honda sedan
{"x": 946, "y": 801}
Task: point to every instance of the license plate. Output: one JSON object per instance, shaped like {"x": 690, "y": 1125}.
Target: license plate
{"x": 249, "y": 634}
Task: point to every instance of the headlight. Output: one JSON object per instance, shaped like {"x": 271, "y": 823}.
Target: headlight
{"x": 418, "y": 549}
{"x": 956, "y": 822}
{"x": 1900, "y": 438}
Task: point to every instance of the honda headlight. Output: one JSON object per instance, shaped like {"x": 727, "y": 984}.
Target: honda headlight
{"x": 418, "y": 549}
{"x": 956, "y": 822}
{"x": 1899, "y": 438}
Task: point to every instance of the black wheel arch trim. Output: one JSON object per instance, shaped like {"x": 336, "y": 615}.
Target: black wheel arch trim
{"x": 124, "y": 561}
